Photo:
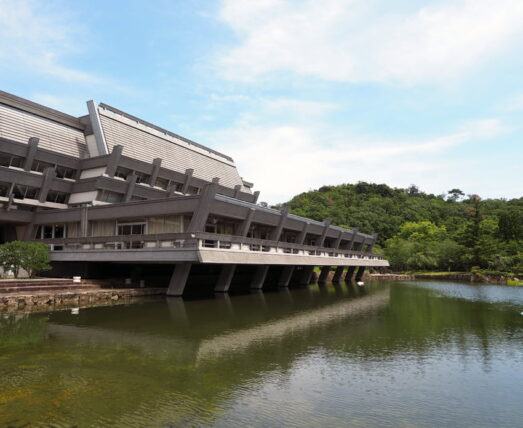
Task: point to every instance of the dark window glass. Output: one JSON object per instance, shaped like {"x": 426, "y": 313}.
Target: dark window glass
{"x": 8, "y": 160}
{"x": 40, "y": 166}
{"x": 63, "y": 172}
{"x": 112, "y": 197}
{"x": 162, "y": 183}
{"x": 5, "y": 160}
{"x": 48, "y": 232}
{"x": 4, "y": 189}
{"x": 59, "y": 231}
{"x": 31, "y": 193}
{"x": 193, "y": 190}
{"x": 19, "y": 191}
{"x": 17, "y": 162}
{"x": 39, "y": 232}
{"x": 122, "y": 172}
{"x": 142, "y": 178}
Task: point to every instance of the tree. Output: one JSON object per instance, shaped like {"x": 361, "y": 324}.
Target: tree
{"x": 510, "y": 225}
{"x": 35, "y": 257}
{"x": 30, "y": 256}
{"x": 455, "y": 195}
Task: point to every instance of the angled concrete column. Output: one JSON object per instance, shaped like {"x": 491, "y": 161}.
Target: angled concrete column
{"x": 227, "y": 273}
{"x": 286, "y": 275}
{"x": 131, "y": 184}
{"x": 47, "y": 181}
{"x": 200, "y": 215}
{"x": 114, "y": 160}
{"x": 259, "y": 276}
{"x": 255, "y": 196}
{"x": 188, "y": 177}
{"x": 353, "y": 239}
{"x": 215, "y": 180}
{"x": 179, "y": 279}
{"x": 32, "y": 147}
{"x": 225, "y": 278}
{"x": 326, "y": 226}
{"x": 261, "y": 271}
{"x": 350, "y": 273}
{"x": 306, "y": 275}
{"x": 324, "y": 274}
{"x": 338, "y": 273}
{"x": 360, "y": 272}
{"x": 337, "y": 243}
{"x": 157, "y": 163}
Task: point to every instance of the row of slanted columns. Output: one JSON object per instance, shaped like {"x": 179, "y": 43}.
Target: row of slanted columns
{"x": 227, "y": 272}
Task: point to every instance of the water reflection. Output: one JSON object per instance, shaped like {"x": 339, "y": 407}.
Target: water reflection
{"x": 324, "y": 355}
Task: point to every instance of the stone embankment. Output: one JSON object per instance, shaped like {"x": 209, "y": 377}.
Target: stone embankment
{"x": 52, "y": 294}
{"x": 476, "y": 278}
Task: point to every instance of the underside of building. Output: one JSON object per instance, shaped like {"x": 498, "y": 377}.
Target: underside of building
{"x": 115, "y": 196}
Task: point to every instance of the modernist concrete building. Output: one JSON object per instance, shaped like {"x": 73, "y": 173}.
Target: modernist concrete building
{"x": 114, "y": 195}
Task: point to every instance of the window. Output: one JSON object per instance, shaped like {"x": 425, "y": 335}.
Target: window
{"x": 64, "y": 172}
{"x": 193, "y": 190}
{"x": 142, "y": 178}
{"x": 122, "y": 173}
{"x": 40, "y": 166}
{"x": 58, "y": 197}
{"x": 11, "y": 161}
{"x": 166, "y": 224}
{"x": 131, "y": 228}
{"x": 138, "y": 198}
{"x": 108, "y": 196}
{"x": 22, "y": 192}
{"x": 162, "y": 183}
{"x": 4, "y": 189}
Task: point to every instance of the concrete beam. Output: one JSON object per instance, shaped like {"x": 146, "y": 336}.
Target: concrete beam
{"x": 47, "y": 182}
{"x": 32, "y": 148}
{"x": 188, "y": 177}
{"x": 157, "y": 163}
{"x": 114, "y": 160}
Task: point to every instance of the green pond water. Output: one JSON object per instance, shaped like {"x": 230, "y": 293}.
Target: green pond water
{"x": 399, "y": 354}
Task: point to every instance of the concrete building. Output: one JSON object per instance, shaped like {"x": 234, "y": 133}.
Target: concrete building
{"x": 112, "y": 194}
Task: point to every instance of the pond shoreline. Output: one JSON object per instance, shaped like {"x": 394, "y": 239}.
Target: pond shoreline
{"x": 474, "y": 278}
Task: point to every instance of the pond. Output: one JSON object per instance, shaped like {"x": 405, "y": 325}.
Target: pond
{"x": 413, "y": 353}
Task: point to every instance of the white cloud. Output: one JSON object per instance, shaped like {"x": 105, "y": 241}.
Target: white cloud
{"x": 285, "y": 160}
{"x": 353, "y": 41}
{"x": 37, "y": 37}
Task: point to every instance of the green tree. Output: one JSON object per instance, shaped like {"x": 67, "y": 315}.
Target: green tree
{"x": 30, "y": 256}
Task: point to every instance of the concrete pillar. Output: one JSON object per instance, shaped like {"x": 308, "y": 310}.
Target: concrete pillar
{"x": 353, "y": 239}
{"x": 360, "y": 272}
{"x": 305, "y": 277}
{"x": 157, "y": 163}
{"x": 255, "y": 196}
{"x": 237, "y": 190}
{"x": 350, "y": 273}
{"x": 337, "y": 243}
{"x": 84, "y": 221}
{"x": 114, "y": 160}
{"x": 261, "y": 271}
{"x": 227, "y": 272}
{"x": 285, "y": 276}
{"x": 259, "y": 276}
{"x": 32, "y": 147}
{"x": 188, "y": 177}
{"x": 131, "y": 184}
{"x": 326, "y": 226}
{"x": 225, "y": 278}
{"x": 179, "y": 279}
{"x": 338, "y": 273}
{"x": 47, "y": 181}
{"x": 324, "y": 274}
{"x": 215, "y": 180}
{"x": 200, "y": 215}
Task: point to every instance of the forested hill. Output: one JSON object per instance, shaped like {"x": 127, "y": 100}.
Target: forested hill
{"x": 487, "y": 233}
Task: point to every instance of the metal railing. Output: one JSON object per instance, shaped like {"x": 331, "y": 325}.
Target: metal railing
{"x": 200, "y": 241}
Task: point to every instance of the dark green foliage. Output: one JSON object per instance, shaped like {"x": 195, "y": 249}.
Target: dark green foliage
{"x": 486, "y": 233}
{"x": 30, "y": 256}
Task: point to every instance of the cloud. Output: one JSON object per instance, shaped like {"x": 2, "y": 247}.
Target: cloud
{"x": 285, "y": 160}
{"x": 38, "y": 37}
{"x": 358, "y": 41}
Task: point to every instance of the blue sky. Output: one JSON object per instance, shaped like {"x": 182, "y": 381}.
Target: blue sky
{"x": 299, "y": 93}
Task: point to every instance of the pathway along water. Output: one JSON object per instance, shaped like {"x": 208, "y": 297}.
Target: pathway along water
{"x": 389, "y": 354}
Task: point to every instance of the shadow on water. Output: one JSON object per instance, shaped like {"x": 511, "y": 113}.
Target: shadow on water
{"x": 190, "y": 362}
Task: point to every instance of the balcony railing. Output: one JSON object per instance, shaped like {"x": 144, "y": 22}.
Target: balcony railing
{"x": 199, "y": 241}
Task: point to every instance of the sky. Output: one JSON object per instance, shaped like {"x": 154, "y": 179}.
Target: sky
{"x": 300, "y": 93}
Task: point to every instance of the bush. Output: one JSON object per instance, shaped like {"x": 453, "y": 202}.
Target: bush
{"x": 30, "y": 256}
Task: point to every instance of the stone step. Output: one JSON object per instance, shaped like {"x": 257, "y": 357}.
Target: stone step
{"x": 31, "y": 288}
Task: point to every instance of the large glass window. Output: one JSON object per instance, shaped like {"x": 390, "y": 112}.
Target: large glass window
{"x": 58, "y": 197}
{"x": 22, "y": 192}
{"x": 131, "y": 228}
{"x": 64, "y": 172}
{"x": 166, "y": 224}
{"x": 103, "y": 228}
{"x": 122, "y": 172}
{"x": 162, "y": 183}
{"x": 4, "y": 189}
